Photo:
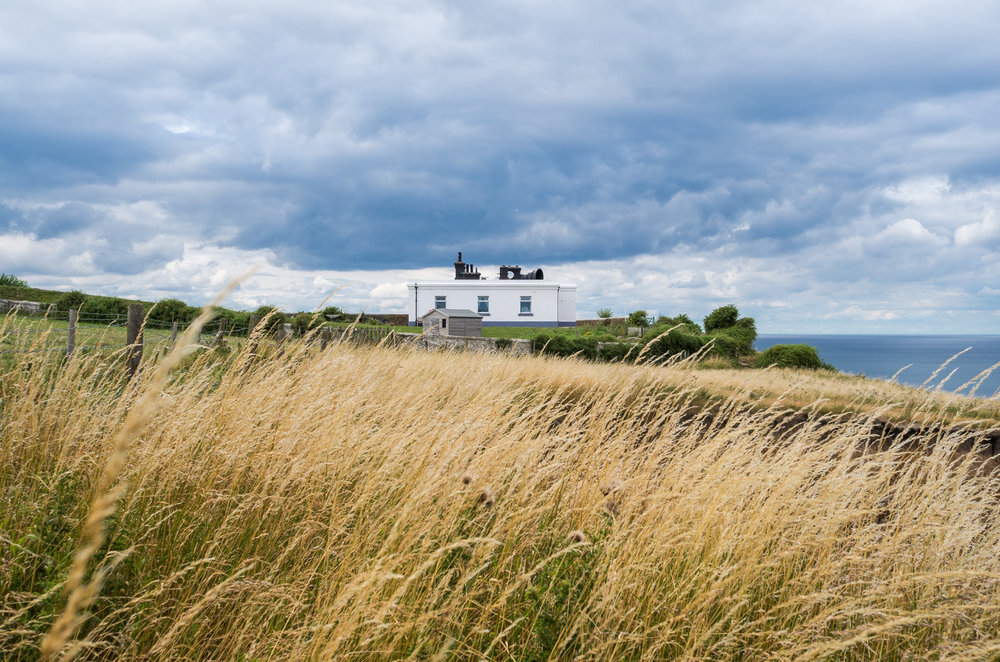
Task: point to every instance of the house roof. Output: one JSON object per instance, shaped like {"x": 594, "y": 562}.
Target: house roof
{"x": 454, "y": 312}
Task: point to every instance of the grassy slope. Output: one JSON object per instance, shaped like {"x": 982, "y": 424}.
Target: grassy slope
{"x": 305, "y": 506}
{"x": 823, "y": 391}
{"x": 29, "y": 294}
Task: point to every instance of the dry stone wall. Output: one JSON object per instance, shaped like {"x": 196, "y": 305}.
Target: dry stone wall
{"x": 515, "y": 346}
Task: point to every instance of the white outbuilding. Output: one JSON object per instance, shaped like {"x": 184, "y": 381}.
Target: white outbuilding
{"x": 513, "y": 299}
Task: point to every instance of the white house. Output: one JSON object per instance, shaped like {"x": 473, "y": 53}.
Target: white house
{"x": 513, "y": 299}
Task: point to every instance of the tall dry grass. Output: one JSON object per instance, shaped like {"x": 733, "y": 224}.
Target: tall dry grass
{"x": 371, "y": 503}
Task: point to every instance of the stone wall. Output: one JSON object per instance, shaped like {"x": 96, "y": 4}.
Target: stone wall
{"x": 605, "y": 321}
{"x": 22, "y": 306}
{"x": 517, "y": 346}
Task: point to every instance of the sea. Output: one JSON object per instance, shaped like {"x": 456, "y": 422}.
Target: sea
{"x": 912, "y": 359}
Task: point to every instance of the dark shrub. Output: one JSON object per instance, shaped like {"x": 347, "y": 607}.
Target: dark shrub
{"x": 275, "y": 321}
{"x": 735, "y": 341}
{"x": 685, "y": 323}
{"x": 660, "y": 342}
{"x": 71, "y": 300}
{"x": 10, "y": 280}
{"x": 563, "y": 345}
{"x": 617, "y": 351}
{"x": 639, "y": 318}
{"x": 333, "y": 313}
{"x": 107, "y": 310}
{"x": 721, "y": 318}
{"x": 303, "y": 323}
{"x": 237, "y": 321}
{"x": 172, "y": 310}
{"x": 792, "y": 356}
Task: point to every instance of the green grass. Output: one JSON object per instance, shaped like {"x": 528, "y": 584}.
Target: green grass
{"x": 526, "y": 332}
{"x": 29, "y": 294}
{"x": 36, "y": 334}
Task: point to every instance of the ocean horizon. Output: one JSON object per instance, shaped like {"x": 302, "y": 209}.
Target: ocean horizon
{"x": 912, "y": 359}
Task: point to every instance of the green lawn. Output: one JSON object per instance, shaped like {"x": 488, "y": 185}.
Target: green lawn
{"x": 526, "y": 332}
{"x": 27, "y": 333}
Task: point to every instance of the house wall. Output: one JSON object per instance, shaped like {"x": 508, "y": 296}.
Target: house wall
{"x": 552, "y": 304}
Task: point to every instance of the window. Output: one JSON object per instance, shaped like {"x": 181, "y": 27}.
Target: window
{"x": 484, "y": 306}
{"x": 525, "y": 305}
{"x": 439, "y": 302}
{"x": 444, "y": 324}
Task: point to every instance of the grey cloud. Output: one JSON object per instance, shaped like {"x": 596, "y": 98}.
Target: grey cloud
{"x": 345, "y": 136}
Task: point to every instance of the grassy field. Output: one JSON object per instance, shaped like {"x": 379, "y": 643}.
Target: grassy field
{"x": 249, "y": 506}
{"x": 37, "y": 334}
{"x": 522, "y": 331}
{"x": 488, "y": 331}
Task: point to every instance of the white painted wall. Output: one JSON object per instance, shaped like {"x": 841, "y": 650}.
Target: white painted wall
{"x": 552, "y": 304}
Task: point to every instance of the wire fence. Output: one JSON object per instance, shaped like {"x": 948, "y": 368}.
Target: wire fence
{"x": 39, "y": 329}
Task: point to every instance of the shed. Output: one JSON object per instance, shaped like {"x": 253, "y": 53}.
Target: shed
{"x": 454, "y": 322}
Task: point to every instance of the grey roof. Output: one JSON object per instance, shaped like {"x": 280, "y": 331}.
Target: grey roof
{"x": 454, "y": 312}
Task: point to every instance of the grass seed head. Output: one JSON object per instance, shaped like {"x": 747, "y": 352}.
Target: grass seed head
{"x": 613, "y": 485}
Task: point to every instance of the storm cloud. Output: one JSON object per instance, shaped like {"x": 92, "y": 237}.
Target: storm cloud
{"x": 826, "y": 167}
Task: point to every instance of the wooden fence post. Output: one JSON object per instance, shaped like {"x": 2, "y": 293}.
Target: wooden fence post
{"x": 220, "y": 335}
{"x": 134, "y": 338}
{"x": 173, "y": 332}
{"x": 251, "y": 346}
{"x": 283, "y": 336}
{"x": 71, "y": 333}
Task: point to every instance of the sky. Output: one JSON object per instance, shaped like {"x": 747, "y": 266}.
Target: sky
{"x": 827, "y": 167}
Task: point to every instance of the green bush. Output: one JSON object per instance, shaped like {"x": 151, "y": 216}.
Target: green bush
{"x": 617, "y": 351}
{"x": 639, "y": 318}
{"x": 71, "y": 300}
{"x": 168, "y": 311}
{"x": 685, "y": 323}
{"x": 275, "y": 321}
{"x": 792, "y": 356}
{"x": 733, "y": 342}
{"x": 605, "y": 313}
{"x": 105, "y": 310}
{"x": 237, "y": 321}
{"x": 659, "y": 342}
{"x": 503, "y": 343}
{"x": 303, "y": 323}
{"x": 721, "y": 318}
{"x": 10, "y": 280}
{"x": 333, "y": 313}
{"x": 559, "y": 344}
